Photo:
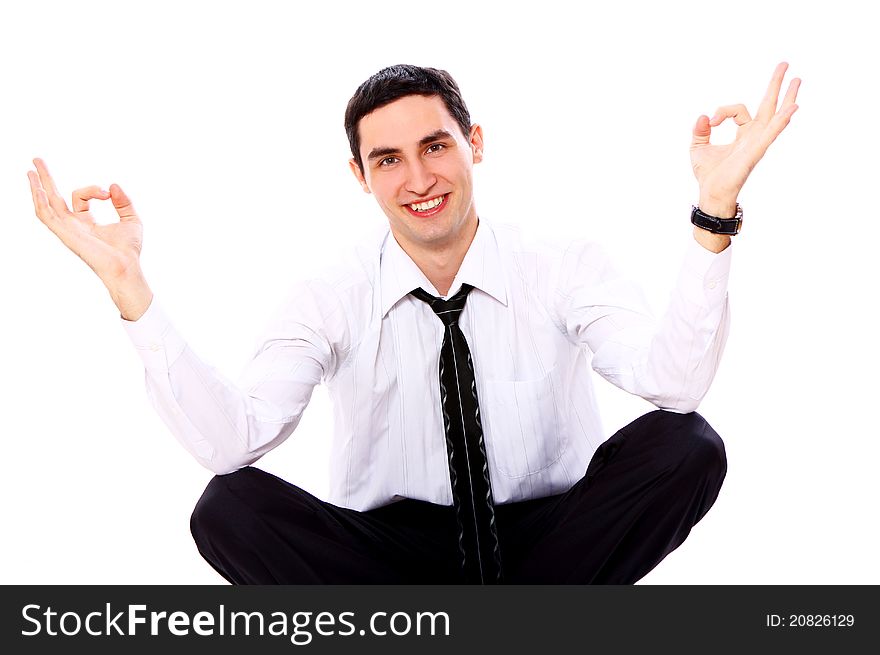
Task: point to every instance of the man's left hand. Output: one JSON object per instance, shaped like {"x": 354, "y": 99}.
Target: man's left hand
{"x": 721, "y": 170}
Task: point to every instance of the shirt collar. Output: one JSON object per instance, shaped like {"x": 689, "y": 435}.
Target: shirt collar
{"x": 481, "y": 268}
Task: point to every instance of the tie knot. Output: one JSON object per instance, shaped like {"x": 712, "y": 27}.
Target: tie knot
{"x": 447, "y": 310}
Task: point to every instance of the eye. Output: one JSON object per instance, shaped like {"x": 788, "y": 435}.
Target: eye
{"x": 385, "y": 162}
{"x": 438, "y": 146}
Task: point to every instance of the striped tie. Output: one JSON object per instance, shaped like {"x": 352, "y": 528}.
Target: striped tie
{"x": 468, "y": 467}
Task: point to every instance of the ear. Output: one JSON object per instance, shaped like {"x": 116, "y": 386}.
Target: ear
{"x": 356, "y": 170}
{"x": 476, "y": 141}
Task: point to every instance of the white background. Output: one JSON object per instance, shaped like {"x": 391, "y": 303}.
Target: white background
{"x": 223, "y": 121}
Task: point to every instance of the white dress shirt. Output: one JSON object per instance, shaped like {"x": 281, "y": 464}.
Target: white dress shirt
{"x": 539, "y": 317}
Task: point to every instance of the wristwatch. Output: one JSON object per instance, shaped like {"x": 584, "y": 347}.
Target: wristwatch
{"x": 717, "y": 225}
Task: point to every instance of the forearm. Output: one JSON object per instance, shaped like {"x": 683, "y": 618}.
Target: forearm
{"x": 223, "y": 424}
{"x": 685, "y": 353}
{"x": 670, "y": 362}
{"x": 686, "y": 349}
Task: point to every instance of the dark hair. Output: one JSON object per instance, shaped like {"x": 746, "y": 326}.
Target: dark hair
{"x": 395, "y": 82}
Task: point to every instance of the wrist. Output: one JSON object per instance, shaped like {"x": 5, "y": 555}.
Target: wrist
{"x": 131, "y": 294}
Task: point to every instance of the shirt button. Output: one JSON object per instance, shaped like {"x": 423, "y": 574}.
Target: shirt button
{"x": 711, "y": 284}
{"x": 154, "y": 347}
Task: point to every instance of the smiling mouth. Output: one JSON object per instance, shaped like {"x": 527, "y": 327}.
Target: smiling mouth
{"x": 428, "y": 207}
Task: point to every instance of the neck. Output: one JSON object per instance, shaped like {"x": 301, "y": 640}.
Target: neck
{"x": 441, "y": 264}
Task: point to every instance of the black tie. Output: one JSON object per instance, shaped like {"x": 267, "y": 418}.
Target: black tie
{"x": 468, "y": 467}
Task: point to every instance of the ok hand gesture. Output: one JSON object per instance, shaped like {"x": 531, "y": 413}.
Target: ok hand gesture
{"x": 110, "y": 250}
{"x": 721, "y": 170}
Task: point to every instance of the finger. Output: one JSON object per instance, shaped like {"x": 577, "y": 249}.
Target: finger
{"x": 55, "y": 200}
{"x": 702, "y": 131}
{"x": 122, "y": 203}
{"x": 791, "y": 94}
{"x": 80, "y": 198}
{"x": 778, "y": 123}
{"x": 771, "y": 97}
{"x": 739, "y": 113}
{"x": 41, "y": 201}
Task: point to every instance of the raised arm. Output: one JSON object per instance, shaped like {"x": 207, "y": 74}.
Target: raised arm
{"x": 672, "y": 361}
{"x": 224, "y": 424}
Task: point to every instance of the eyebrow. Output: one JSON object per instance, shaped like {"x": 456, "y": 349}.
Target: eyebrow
{"x": 375, "y": 153}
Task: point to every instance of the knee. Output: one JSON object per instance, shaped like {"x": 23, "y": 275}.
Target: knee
{"x": 699, "y": 445}
{"x": 216, "y": 508}
{"x": 208, "y": 510}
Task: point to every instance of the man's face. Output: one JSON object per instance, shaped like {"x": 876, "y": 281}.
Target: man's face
{"x": 414, "y": 152}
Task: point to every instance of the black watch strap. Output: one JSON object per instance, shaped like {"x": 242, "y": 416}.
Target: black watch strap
{"x": 717, "y": 225}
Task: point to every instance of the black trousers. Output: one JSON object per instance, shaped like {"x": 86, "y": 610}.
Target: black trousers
{"x": 643, "y": 491}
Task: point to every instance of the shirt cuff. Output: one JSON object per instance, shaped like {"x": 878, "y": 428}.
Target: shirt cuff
{"x": 154, "y": 338}
{"x": 704, "y": 275}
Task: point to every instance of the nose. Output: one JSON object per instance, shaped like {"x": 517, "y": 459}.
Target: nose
{"x": 419, "y": 178}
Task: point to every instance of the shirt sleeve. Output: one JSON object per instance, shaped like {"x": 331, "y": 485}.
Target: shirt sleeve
{"x": 670, "y": 362}
{"x": 226, "y": 425}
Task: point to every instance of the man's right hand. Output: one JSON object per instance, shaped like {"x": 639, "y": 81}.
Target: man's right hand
{"x": 112, "y": 251}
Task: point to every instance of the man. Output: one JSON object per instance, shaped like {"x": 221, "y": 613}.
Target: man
{"x": 467, "y": 444}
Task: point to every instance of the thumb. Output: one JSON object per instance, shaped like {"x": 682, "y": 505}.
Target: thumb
{"x": 702, "y": 130}
{"x": 122, "y": 203}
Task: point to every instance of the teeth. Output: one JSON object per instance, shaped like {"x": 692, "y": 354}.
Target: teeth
{"x": 425, "y": 206}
